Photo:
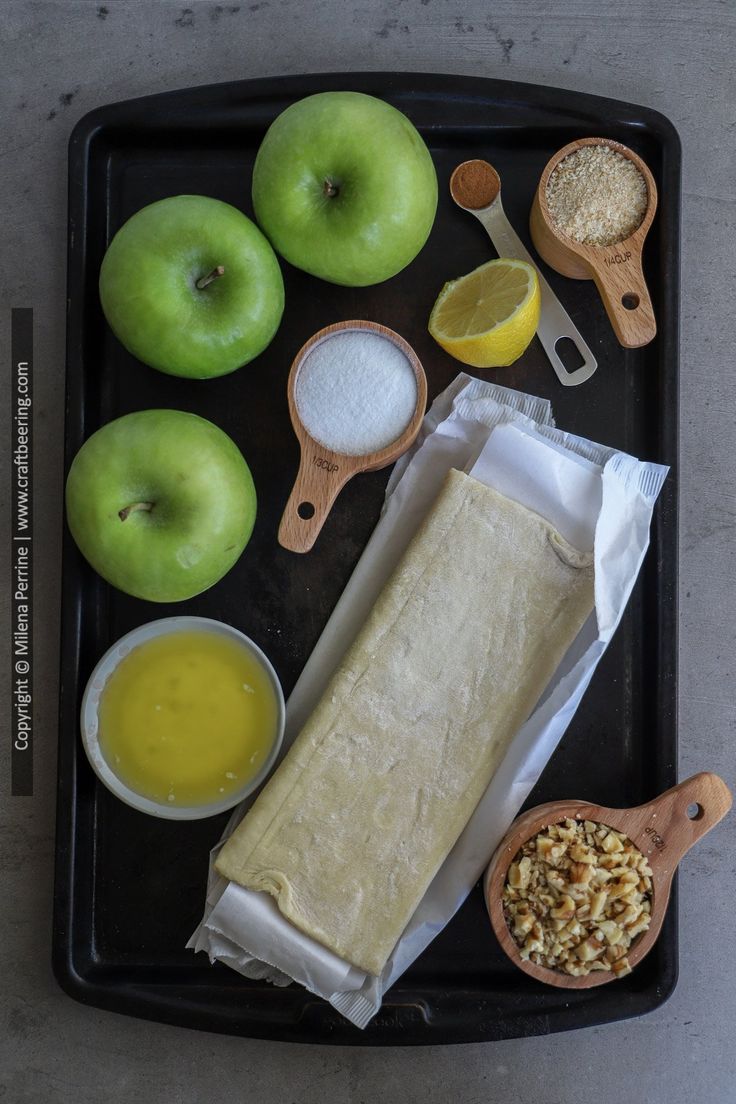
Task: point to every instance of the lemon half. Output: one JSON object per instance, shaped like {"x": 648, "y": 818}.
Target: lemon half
{"x": 488, "y": 317}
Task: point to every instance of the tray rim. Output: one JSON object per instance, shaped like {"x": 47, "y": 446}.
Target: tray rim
{"x": 155, "y": 1002}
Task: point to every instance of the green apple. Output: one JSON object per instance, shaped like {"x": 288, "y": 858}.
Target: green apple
{"x": 191, "y": 286}
{"x": 345, "y": 188}
{"x": 161, "y": 503}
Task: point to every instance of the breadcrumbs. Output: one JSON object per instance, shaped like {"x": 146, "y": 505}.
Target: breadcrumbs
{"x": 597, "y": 196}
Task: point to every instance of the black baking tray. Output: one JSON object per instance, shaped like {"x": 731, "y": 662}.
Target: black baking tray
{"x": 129, "y": 888}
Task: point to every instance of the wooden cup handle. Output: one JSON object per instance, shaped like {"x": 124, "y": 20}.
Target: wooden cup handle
{"x": 626, "y": 298}
{"x": 320, "y": 478}
{"x": 665, "y": 822}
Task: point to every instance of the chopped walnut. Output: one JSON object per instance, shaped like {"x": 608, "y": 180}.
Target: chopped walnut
{"x": 576, "y": 896}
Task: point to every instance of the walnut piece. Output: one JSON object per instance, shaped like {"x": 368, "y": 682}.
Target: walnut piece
{"x": 576, "y": 896}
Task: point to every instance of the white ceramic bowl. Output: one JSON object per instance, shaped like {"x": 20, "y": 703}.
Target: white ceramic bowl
{"x": 96, "y": 685}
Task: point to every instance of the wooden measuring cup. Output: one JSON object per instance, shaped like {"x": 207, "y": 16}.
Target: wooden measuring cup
{"x": 663, "y": 830}
{"x": 323, "y": 473}
{"x": 616, "y": 269}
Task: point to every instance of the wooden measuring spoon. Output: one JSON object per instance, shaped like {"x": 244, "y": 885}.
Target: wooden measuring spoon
{"x": 663, "y": 830}
{"x": 616, "y": 269}
{"x": 323, "y": 473}
{"x": 476, "y": 188}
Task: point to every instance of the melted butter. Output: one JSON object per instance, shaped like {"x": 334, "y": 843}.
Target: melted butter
{"x": 187, "y": 718}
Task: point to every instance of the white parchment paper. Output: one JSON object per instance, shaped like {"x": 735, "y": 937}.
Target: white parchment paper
{"x": 600, "y": 500}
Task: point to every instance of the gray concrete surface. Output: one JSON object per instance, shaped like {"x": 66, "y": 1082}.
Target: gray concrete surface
{"x": 62, "y": 59}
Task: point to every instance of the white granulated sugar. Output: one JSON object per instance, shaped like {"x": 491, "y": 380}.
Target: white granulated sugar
{"x": 356, "y": 392}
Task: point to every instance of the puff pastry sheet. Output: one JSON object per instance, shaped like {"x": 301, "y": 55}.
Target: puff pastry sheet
{"x": 377, "y": 787}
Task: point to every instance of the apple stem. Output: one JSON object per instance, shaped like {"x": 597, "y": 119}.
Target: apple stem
{"x": 205, "y": 281}
{"x": 133, "y": 508}
{"x": 330, "y": 188}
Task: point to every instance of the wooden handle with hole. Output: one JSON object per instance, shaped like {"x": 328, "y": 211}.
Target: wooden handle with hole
{"x": 619, "y": 278}
{"x": 664, "y": 829}
{"x": 322, "y": 475}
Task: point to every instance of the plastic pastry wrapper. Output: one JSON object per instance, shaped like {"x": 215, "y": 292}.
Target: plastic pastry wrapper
{"x": 600, "y": 500}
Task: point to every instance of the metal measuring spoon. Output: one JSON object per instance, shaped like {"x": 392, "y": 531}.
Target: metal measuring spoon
{"x": 476, "y": 188}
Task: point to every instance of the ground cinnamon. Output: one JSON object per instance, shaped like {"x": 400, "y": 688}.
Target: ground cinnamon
{"x": 474, "y": 184}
